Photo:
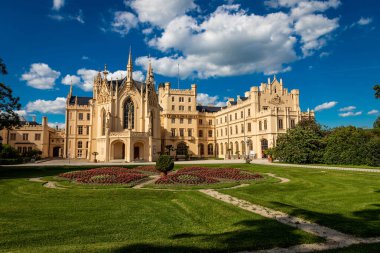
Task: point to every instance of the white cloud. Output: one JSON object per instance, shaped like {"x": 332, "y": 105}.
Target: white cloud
{"x": 56, "y": 106}
{"x": 325, "y": 106}
{"x": 160, "y": 12}
{"x": 61, "y": 125}
{"x": 373, "y": 112}
{"x": 206, "y": 99}
{"x": 21, "y": 113}
{"x": 84, "y": 57}
{"x": 123, "y": 22}
{"x": 312, "y": 29}
{"x": 229, "y": 42}
{"x": 40, "y": 76}
{"x": 85, "y": 77}
{"x": 58, "y": 4}
{"x": 308, "y": 7}
{"x": 76, "y": 17}
{"x": 348, "y": 108}
{"x": 364, "y": 21}
{"x": 324, "y": 54}
{"x": 350, "y": 114}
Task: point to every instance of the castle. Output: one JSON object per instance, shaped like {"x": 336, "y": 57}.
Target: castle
{"x": 132, "y": 121}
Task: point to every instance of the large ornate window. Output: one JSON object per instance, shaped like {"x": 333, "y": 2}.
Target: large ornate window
{"x": 129, "y": 114}
{"x": 104, "y": 122}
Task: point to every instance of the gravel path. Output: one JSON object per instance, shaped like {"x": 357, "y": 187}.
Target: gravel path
{"x": 282, "y": 179}
{"x": 334, "y": 238}
{"x": 47, "y": 184}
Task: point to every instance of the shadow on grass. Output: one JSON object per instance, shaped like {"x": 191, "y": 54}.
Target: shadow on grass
{"x": 249, "y": 235}
{"x": 363, "y": 223}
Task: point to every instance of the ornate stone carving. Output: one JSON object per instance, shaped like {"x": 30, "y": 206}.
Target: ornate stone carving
{"x": 276, "y": 100}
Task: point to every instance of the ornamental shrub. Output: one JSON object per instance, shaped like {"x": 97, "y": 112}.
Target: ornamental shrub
{"x": 164, "y": 164}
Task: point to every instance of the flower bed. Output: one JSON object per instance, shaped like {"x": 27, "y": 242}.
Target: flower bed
{"x": 201, "y": 175}
{"x": 107, "y": 175}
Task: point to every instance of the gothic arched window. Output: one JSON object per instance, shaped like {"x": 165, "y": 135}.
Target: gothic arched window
{"x": 104, "y": 122}
{"x": 129, "y": 113}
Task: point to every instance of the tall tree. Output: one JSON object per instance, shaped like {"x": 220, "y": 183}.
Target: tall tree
{"x": 8, "y": 103}
{"x": 376, "y": 88}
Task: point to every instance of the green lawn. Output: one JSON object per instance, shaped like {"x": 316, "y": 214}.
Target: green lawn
{"x": 36, "y": 219}
{"x": 344, "y": 200}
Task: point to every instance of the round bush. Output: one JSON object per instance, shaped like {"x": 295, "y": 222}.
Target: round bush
{"x": 164, "y": 164}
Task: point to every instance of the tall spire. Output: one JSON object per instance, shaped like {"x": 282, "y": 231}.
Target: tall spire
{"x": 129, "y": 66}
{"x": 71, "y": 88}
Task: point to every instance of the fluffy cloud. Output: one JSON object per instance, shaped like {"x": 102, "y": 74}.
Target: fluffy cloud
{"x": 40, "y": 76}
{"x": 364, "y": 21}
{"x": 21, "y": 113}
{"x": 160, "y": 12}
{"x": 59, "y": 124}
{"x": 85, "y": 77}
{"x": 56, "y": 106}
{"x": 348, "y": 108}
{"x": 350, "y": 114}
{"x": 225, "y": 44}
{"x": 325, "y": 106}
{"x": 373, "y": 112}
{"x": 312, "y": 29}
{"x": 123, "y": 22}
{"x": 58, "y": 4}
{"x": 76, "y": 17}
{"x": 206, "y": 99}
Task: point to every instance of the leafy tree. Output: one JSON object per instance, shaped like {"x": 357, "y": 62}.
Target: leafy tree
{"x": 303, "y": 144}
{"x": 376, "y": 88}
{"x": 376, "y": 124}
{"x": 350, "y": 145}
{"x": 8, "y": 104}
{"x": 8, "y": 152}
{"x": 164, "y": 164}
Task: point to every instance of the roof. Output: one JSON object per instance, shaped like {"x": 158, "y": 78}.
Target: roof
{"x": 30, "y": 123}
{"x": 121, "y": 82}
{"x": 202, "y": 108}
{"x": 81, "y": 100}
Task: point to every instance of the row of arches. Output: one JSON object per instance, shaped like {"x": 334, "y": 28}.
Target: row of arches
{"x": 118, "y": 150}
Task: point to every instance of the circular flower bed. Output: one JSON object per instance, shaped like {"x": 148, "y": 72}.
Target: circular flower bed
{"x": 201, "y": 175}
{"x": 111, "y": 175}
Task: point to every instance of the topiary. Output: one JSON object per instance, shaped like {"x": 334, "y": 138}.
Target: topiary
{"x": 164, "y": 164}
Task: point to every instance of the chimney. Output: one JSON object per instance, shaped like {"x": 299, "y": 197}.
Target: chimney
{"x": 34, "y": 118}
{"x": 56, "y": 127}
{"x": 281, "y": 81}
{"x": 44, "y": 121}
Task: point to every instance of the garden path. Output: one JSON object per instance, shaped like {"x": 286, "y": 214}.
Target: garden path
{"x": 47, "y": 184}
{"x": 282, "y": 179}
{"x": 334, "y": 238}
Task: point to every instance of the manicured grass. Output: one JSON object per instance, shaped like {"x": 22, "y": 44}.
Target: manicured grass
{"x": 36, "y": 219}
{"x": 343, "y": 200}
{"x": 344, "y": 166}
{"x": 362, "y": 248}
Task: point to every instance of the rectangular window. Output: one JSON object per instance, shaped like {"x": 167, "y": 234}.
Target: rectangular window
{"x": 225, "y": 131}
{"x": 189, "y": 108}
{"x": 87, "y": 130}
{"x": 181, "y": 132}
{"x": 37, "y": 137}
{"x": 265, "y": 124}
{"x": 236, "y": 129}
{"x": 88, "y": 116}
{"x": 225, "y": 118}
{"x": 200, "y": 133}
{"x": 189, "y": 100}
{"x": 242, "y": 128}
{"x": 190, "y": 132}
{"x": 249, "y": 127}
{"x": 173, "y": 120}
{"x": 280, "y": 125}
{"x": 190, "y": 121}
{"x": 24, "y": 150}
{"x": 221, "y": 132}
{"x": 181, "y": 120}
{"x": 25, "y": 137}
{"x": 292, "y": 123}
{"x": 13, "y": 137}
{"x": 173, "y": 107}
{"x": 241, "y": 114}
{"x": 231, "y": 130}
{"x": 181, "y": 108}
{"x": 230, "y": 117}
{"x": 200, "y": 122}
{"x": 210, "y": 122}
{"x": 265, "y": 108}
{"x": 249, "y": 112}
{"x": 260, "y": 126}
{"x": 181, "y": 99}
{"x": 209, "y": 133}
{"x": 235, "y": 116}
{"x": 79, "y": 153}
{"x": 173, "y": 132}
{"x": 80, "y": 130}
{"x": 80, "y": 116}
{"x": 172, "y": 99}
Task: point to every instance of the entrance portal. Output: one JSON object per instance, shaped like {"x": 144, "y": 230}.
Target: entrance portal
{"x": 118, "y": 150}
{"x": 138, "y": 151}
{"x": 56, "y": 151}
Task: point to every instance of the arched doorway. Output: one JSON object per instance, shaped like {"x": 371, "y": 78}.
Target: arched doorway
{"x": 181, "y": 148}
{"x": 201, "y": 149}
{"x": 138, "y": 151}
{"x": 56, "y": 151}
{"x": 118, "y": 150}
{"x": 264, "y": 146}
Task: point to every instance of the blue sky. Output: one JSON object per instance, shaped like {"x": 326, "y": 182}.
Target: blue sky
{"x": 327, "y": 49}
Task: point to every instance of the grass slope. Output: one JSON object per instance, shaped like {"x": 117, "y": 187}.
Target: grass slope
{"x": 36, "y": 219}
{"x": 346, "y": 201}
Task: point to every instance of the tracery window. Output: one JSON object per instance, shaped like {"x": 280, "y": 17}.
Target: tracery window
{"x": 129, "y": 113}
